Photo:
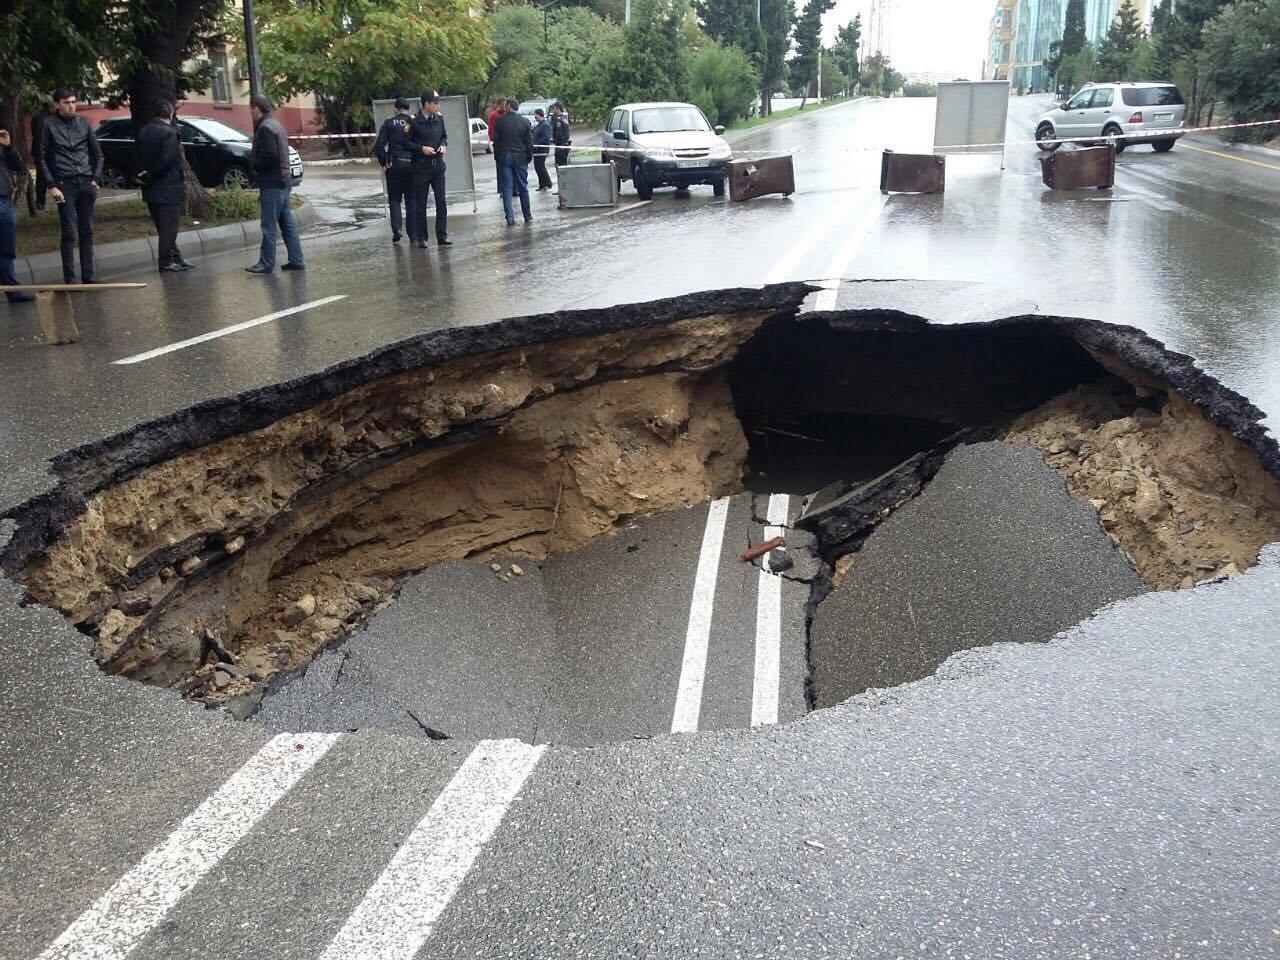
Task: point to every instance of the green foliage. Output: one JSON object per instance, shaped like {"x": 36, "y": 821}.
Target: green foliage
{"x": 1076, "y": 69}
{"x": 845, "y": 52}
{"x": 879, "y": 79}
{"x": 154, "y": 49}
{"x": 517, "y": 52}
{"x": 777, "y": 19}
{"x": 354, "y": 51}
{"x": 653, "y": 51}
{"x": 582, "y": 62}
{"x": 804, "y": 66}
{"x": 1241, "y": 59}
{"x": 1116, "y": 53}
{"x": 1074, "y": 37}
{"x": 232, "y": 205}
{"x": 730, "y": 22}
{"x": 722, "y": 82}
{"x": 919, "y": 90}
{"x": 834, "y": 81}
{"x": 48, "y": 43}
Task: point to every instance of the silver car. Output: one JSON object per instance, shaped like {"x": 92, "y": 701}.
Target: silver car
{"x": 1136, "y": 113}
{"x": 665, "y": 145}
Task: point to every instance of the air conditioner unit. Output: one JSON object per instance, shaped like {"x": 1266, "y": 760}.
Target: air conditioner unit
{"x": 242, "y": 71}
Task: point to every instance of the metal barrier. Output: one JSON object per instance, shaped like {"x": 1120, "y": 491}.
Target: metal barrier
{"x": 912, "y": 172}
{"x": 757, "y": 178}
{"x": 1080, "y": 169}
{"x": 587, "y": 185}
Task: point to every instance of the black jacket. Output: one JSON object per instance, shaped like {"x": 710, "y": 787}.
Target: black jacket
{"x": 269, "y": 158}
{"x": 427, "y": 131}
{"x": 559, "y": 131}
{"x": 11, "y": 168}
{"x": 513, "y": 136}
{"x": 160, "y": 155}
{"x": 542, "y": 138}
{"x": 67, "y": 149}
{"x": 393, "y": 141}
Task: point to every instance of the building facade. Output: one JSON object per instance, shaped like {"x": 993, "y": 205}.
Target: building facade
{"x": 1001, "y": 33}
{"x": 1039, "y": 23}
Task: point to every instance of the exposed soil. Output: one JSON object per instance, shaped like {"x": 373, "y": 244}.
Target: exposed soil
{"x": 215, "y": 567}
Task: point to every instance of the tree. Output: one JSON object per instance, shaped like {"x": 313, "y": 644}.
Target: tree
{"x": 351, "y": 52}
{"x": 730, "y": 22}
{"x": 777, "y": 17}
{"x": 582, "y": 62}
{"x": 879, "y": 79}
{"x": 1076, "y": 69}
{"x": 845, "y": 52}
{"x": 834, "y": 80}
{"x": 516, "y": 52}
{"x": 804, "y": 67}
{"x": 919, "y": 90}
{"x": 1073, "y": 31}
{"x": 653, "y": 50}
{"x": 1116, "y": 52}
{"x": 1053, "y": 62}
{"x": 1241, "y": 59}
{"x": 722, "y": 82}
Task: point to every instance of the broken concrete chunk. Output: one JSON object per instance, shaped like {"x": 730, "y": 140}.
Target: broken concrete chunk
{"x": 517, "y": 570}
{"x": 190, "y": 565}
{"x": 234, "y": 545}
{"x": 134, "y": 603}
{"x": 302, "y": 608}
{"x": 780, "y": 561}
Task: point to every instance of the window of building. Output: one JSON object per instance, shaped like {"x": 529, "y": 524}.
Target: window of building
{"x": 221, "y": 77}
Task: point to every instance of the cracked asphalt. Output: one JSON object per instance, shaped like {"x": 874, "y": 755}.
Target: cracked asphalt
{"x": 1108, "y": 793}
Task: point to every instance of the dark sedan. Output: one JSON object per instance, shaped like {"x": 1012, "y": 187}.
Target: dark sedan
{"x": 218, "y": 154}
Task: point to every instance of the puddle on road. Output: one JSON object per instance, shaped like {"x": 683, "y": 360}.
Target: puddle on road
{"x": 220, "y": 551}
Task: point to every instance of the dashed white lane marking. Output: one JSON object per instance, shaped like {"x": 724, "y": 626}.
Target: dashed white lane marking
{"x": 788, "y": 264}
{"x": 826, "y": 299}
{"x": 628, "y": 207}
{"x": 693, "y": 670}
{"x": 139, "y": 900}
{"x": 764, "y": 692}
{"x": 396, "y": 916}
{"x": 225, "y": 331}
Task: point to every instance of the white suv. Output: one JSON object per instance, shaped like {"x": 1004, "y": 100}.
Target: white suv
{"x": 665, "y": 145}
{"x": 1154, "y": 112}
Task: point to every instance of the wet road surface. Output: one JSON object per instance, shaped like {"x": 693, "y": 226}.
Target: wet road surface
{"x": 1109, "y": 794}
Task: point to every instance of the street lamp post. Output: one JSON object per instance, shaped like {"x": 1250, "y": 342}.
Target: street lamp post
{"x": 251, "y": 49}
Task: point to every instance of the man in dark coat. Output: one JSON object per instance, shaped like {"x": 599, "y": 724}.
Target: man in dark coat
{"x": 429, "y": 142}
{"x": 541, "y": 148}
{"x": 560, "y": 133}
{"x": 513, "y": 143}
{"x": 11, "y": 166}
{"x": 269, "y": 166}
{"x": 69, "y": 157}
{"x": 395, "y": 152}
{"x": 160, "y": 158}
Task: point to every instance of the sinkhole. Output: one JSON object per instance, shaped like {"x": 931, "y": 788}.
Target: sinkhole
{"x": 496, "y": 531}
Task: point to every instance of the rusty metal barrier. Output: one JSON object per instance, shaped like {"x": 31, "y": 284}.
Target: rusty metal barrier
{"x": 912, "y": 172}
{"x": 1080, "y": 169}
{"x": 764, "y": 175}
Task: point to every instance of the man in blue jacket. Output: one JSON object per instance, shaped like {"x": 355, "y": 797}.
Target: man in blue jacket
{"x": 541, "y": 148}
{"x": 160, "y": 157}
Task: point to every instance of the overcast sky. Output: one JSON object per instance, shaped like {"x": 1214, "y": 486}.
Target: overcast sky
{"x": 946, "y": 36}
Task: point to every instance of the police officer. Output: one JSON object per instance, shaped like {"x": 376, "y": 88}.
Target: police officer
{"x": 429, "y": 143}
{"x": 560, "y": 135}
{"x": 396, "y": 153}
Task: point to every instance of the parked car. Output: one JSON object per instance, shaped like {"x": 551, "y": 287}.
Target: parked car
{"x": 665, "y": 145}
{"x": 1116, "y": 109}
{"x": 539, "y": 103}
{"x": 218, "y": 154}
{"x": 480, "y": 142}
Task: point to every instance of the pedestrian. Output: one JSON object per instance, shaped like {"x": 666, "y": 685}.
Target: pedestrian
{"x": 395, "y": 153}
{"x": 430, "y": 142}
{"x": 269, "y": 167}
{"x": 560, "y": 133}
{"x": 69, "y": 157}
{"x": 494, "y": 116}
{"x": 160, "y": 157}
{"x": 513, "y": 143}
{"x": 11, "y": 166}
{"x": 541, "y": 148}
{"x": 37, "y": 124}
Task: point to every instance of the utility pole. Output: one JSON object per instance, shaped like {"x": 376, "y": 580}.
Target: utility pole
{"x": 251, "y": 49}
{"x": 627, "y": 17}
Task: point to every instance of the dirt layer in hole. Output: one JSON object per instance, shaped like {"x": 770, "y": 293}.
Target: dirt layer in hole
{"x": 218, "y": 569}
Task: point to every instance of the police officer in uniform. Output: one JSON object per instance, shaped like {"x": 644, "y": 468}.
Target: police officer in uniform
{"x": 429, "y": 143}
{"x": 395, "y": 152}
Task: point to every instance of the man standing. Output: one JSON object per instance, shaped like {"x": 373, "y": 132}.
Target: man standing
{"x": 37, "y": 124}
{"x": 395, "y": 152}
{"x": 513, "y": 143}
{"x": 428, "y": 140}
{"x": 269, "y": 166}
{"x": 160, "y": 156}
{"x": 11, "y": 166}
{"x": 541, "y": 148}
{"x": 70, "y": 159}
{"x": 560, "y": 133}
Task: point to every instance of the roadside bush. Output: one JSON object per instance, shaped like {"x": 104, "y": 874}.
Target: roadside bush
{"x": 1241, "y": 59}
{"x": 919, "y": 90}
{"x": 723, "y": 83}
{"x": 232, "y": 205}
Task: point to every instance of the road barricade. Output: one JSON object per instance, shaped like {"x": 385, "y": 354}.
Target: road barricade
{"x": 912, "y": 172}
{"x": 764, "y": 175}
{"x": 587, "y": 185}
{"x": 1079, "y": 169}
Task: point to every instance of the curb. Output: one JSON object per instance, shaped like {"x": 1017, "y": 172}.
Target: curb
{"x": 1249, "y": 149}
{"x": 131, "y": 254}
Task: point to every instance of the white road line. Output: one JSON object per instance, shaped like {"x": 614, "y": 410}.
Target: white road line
{"x": 139, "y": 900}
{"x": 694, "y": 668}
{"x": 234, "y": 328}
{"x": 764, "y": 692}
{"x": 629, "y": 206}
{"x": 784, "y": 267}
{"x": 836, "y": 269}
{"x": 395, "y": 917}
